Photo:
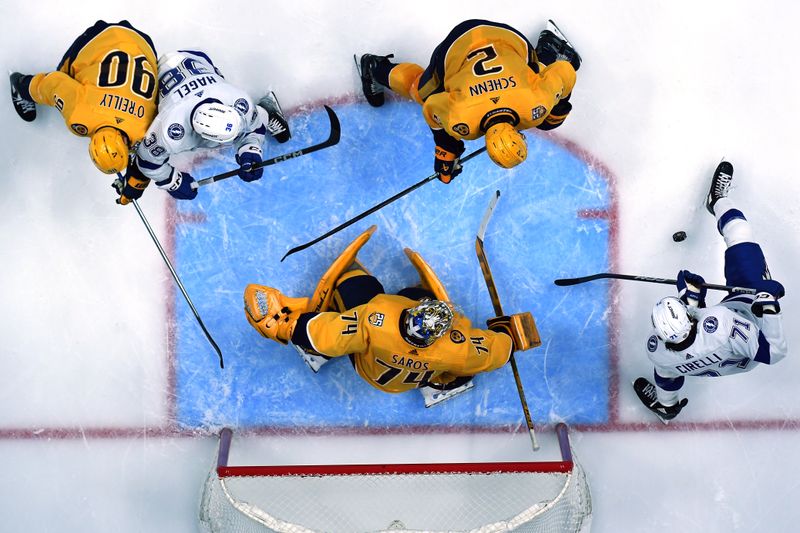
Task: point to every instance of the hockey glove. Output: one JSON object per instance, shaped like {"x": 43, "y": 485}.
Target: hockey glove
{"x": 131, "y": 187}
{"x": 248, "y": 156}
{"x": 646, "y": 392}
{"x": 765, "y": 304}
{"x": 447, "y": 154}
{"x": 690, "y": 289}
{"x": 557, "y": 115}
{"x": 520, "y": 327}
{"x": 271, "y": 313}
{"x": 180, "y": 186}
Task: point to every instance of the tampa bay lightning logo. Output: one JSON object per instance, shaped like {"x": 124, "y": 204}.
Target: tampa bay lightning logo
{"x": 175, "y": 131}
{"x": 241, "y": 106}
{"x": 710, "y": 324}
{"x": 652, "y": 343}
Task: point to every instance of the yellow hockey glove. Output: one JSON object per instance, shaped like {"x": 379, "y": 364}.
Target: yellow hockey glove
{"x": 271, "y": 313}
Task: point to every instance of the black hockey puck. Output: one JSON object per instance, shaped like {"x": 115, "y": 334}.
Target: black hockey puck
{"x": 679, "y": 236}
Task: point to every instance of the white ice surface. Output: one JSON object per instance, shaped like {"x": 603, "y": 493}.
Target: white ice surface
{"x": 666, "y": 90}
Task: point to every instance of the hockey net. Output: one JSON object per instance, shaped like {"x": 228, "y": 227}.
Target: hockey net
{"x": 451, "y": 497}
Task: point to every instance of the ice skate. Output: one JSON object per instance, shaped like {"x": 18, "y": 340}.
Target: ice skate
{"x": 553, "y": 46}
{"x": 24, "y": 107}
{"x": 373, "y": 91}
{"x": 277, "y": 125}
{"x": 720, "y": 183}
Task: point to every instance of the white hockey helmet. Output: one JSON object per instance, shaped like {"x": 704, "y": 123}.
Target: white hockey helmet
{"x": 427, "y": 322}
{"x": 217, "y": 122}
{"x": 671, "y": 320}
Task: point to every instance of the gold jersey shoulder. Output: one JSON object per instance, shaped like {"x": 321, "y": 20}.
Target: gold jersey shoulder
{"x": 371, "y": 332}
{"x": 111, "y": 81}
{"x": 485, "y": 72}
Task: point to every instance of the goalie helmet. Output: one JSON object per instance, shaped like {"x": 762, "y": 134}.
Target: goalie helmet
{"x": 671, "y": 320}
{"x": 505, "y": 145}
{"x": 108, "y": 149}
{"x": 427, "y": 322}
{"x": 217, "y": 122}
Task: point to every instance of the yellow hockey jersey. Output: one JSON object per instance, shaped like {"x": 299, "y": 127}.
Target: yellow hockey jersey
{"x": 371, "y": 334}
{"x": 486, "y": 74}
{"x": 110, "y": 81}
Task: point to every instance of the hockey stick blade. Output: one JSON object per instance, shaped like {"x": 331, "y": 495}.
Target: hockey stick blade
{"x": 377, "y": 207}
{"x": 333, "y": 139}
{"x": 566, "y": 282}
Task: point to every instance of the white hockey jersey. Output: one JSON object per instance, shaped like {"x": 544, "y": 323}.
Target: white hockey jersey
{"x": 186, "y": 80}
{"x": 730, "y": 340}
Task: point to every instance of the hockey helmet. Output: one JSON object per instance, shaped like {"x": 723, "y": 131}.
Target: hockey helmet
{"x": 671, "y": 320}
{"x": 108, "y": 149}
{"x": 427, "y": 322}
{"x": 505, "y": 145}
{"x": 217, "y": 122}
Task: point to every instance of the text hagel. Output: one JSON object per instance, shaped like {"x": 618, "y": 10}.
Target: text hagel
{"x": 496, "y": 84}
{"x": 120, "y": 103}
{"x": 189, "y": 87}
{"x": 710, "y": 360}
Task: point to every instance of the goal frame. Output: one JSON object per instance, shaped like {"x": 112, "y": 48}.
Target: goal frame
{"x": 565, "y": 466}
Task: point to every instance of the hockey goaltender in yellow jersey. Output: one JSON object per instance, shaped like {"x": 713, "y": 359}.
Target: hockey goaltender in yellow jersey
{"x": 106, "y": 88}
{"x": 396, "y": 342}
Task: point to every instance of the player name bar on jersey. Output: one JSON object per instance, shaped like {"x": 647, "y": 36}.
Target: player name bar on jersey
{"x": 703, "y": 362}
{"x": 120, "y": 103}
{"x": 492, "y": 85}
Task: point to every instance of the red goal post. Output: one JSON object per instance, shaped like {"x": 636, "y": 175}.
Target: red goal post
{"x": 542, "y": 496}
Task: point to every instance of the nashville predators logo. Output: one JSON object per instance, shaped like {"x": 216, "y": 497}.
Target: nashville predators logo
{"x": 538, "y": 112}
{"x": 457, "y": 337}
{"x": 80, "y": 129}
{"x": 376, "y": 319}
{"x": 462, "y": 129}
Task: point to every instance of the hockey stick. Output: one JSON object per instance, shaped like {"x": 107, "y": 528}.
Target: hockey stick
{"x": 332, "y": 139}
{"x": 177, "y": 279}
{"x": 498, "y": 310}
{"x": 608, "y": 275}
{"x": 375, "y": 208}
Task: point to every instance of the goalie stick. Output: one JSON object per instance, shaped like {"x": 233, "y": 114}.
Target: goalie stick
{"x": 332, "y": 139}
{"x": 565, "y": 282}
{"x": 498, "y": 309}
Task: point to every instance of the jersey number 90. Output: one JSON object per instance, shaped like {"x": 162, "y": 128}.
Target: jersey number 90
{"x": 114, "y": 72}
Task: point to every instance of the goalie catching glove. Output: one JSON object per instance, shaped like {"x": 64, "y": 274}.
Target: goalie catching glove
{"x": 520, "y": 327}
{"x": 271, "y": 313}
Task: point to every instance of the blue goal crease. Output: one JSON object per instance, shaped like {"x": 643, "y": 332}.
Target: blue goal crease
{"x": 535, "y": 236}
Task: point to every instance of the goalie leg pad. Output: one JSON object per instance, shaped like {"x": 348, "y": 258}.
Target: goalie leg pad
{"x": 430, "y": 281}
{"x": 322, "y": 297}
{"x": 521, "y": 327}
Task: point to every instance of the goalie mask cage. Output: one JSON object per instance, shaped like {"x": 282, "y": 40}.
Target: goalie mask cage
{"x": 449, "y": 497}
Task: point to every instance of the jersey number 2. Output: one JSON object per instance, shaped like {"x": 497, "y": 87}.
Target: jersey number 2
{"x": 481, "y": 68}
